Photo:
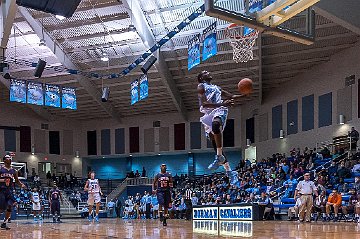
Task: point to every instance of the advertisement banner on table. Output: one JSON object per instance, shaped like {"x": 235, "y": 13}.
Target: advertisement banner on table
{"x": 236, "y": 213}
{"x": 205, "y": 213}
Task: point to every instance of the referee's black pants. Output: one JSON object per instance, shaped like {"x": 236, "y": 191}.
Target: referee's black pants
{"x": 188, "y": 210}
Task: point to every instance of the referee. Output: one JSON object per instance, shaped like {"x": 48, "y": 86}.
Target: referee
{"x": 306, "y": 188}
{"x": 187, "y": 200}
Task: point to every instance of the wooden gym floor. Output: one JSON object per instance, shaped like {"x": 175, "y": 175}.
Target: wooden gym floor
{"x": 179, "y": 229}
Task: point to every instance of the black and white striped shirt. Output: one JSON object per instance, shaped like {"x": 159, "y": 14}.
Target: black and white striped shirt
{"x": 188, "y": 193}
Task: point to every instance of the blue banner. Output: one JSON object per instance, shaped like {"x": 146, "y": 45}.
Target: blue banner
{"x": 144, "y": 87}
{"x": 35, "y": 93}
{"x": 256, "y": 5}
{"x": 209, "y": 43}
{"x": 134, "y": 92}
{"x": 18, "y": 91}
{"x": 194, "y": 52}
{"x": 52, "y": 95}
{"x": 68, "y": 99}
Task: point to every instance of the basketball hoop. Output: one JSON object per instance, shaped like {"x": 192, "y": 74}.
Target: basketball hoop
{"x": 242, "y": 41}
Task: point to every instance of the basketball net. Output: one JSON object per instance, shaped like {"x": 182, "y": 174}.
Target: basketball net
{"x": 241, "y": 41}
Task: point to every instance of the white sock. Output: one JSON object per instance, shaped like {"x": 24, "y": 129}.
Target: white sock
{"x": 219, "y": 151}
{"x": 324, "y": 215}
{"x": 335, "y": 214}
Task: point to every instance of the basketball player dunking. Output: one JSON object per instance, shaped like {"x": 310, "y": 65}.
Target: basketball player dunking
{"x": 163, "y": 183}
{"x": 92, "y": 186}
{"x": 7, "y": 176}
{"x": 215, "y": 111}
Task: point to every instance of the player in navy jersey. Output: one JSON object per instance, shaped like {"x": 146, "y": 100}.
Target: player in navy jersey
{"x": 7, "y": 177}
{"x": 163, "y": 184}
{"x": 54, "y": 200}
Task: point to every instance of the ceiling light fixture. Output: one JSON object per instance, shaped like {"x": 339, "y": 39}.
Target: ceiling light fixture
{"x": 132, "y": 28}
{"x": 60, "y": 17}
{"x": 42, "y": 43}
{"x": 104, "y": 57}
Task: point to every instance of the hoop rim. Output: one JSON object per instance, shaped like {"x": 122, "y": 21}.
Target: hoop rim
{"x": 253, "y": 33}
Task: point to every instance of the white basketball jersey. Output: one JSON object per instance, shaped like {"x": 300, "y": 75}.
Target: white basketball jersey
{"x": 94, "y": 185}
{"x": 36, "y": 196}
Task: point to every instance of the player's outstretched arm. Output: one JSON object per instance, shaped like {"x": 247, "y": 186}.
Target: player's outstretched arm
{"x": 227, "y": 95}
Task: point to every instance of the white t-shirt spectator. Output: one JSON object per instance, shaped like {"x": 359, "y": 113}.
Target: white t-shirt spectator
{"x": 356, "y": 168}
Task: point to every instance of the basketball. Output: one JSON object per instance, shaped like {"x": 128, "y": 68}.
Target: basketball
{"x": 245, "y": 86}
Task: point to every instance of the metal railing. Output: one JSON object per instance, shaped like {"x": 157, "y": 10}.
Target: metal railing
{"x": 128, "y": 181}
{"x": 323, "y": 166}
{"x": 67, "y": 204}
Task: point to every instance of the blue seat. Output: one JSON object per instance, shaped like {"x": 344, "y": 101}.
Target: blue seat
{"x": 280, "y": 206}
{"x": 346, "y": 198}
{"x": 349, "y": 180}
{"x": 355, "y": 175}
{"x": 288, "y": 200}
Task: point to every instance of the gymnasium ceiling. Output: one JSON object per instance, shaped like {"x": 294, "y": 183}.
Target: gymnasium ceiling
{"x": 100, "y": 26}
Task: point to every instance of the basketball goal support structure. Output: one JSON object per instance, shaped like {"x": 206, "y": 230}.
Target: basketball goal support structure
{"x": 272, "y": 16}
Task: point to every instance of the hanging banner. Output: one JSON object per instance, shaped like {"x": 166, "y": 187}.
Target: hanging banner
{"x": 18, "y": 91}
{"x": 68, "y": 99}
{"x": 35, "y": 93}
{"x": 134, "y": 92}
{"x": 144, "y": 87}
{"x": 52, "y": 95}
{"x": 209, "y": 42}
{"x": 194, "y": 52}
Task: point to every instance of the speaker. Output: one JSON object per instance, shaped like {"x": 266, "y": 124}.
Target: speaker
{"x": 40, "y": 68}
{"x": 105, "y": 94}
{"x": 65, "y": 8}
{"x": 148, "y": 64}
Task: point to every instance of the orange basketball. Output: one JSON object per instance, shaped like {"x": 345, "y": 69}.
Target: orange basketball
{"x": 245, "y": 86}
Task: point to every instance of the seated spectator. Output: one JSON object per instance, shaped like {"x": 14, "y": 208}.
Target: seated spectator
{"x": 333, "y": 168}
{"x": 266, "y": 205}
{"x": 137, "y": 174}
{"x": 320, "y": 204}
{"x": 343, "y": 172}
{"x": 343, "y": 188}
{"x": 357, "y": 184}
{"x": 334, "y": 202}
{"x": 294, "y": 211}
{"x": 287, "y": 191}
{"x": 356, "y": 168}
{"x": 352, "y": 207}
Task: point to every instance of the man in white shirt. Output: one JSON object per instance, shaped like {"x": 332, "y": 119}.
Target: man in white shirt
{"x": 306, "y": 188}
